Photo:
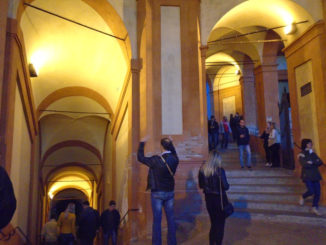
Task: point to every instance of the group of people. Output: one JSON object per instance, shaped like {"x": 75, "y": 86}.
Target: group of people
{"x": 64, "y": 232}
{"x": 224, "y": 128}
{"x": 272, "y": 141}
{"x": 213, "y": 181}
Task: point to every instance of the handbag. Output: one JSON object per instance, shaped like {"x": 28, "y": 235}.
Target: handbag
{"x": 228, "y": 208}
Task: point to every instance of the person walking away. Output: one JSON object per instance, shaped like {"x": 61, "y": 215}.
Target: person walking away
{"x": 226, "y": 130}
{"x": 110, "y": 220}
{"x": 49, "y": 232}
{"x": 161, "y": 183}
{"x": 66, "y": 225}
{"x": 274, "y": 145}
{"x": 7, "y": 199}
{"x": 211, "y": 176}
{"x": 265, "y": 136}
{"x": 89, "y": 223}
{"x": 310, "y": 174}
{"x": 243, "y": 139}
{"x": 213, "y": 130}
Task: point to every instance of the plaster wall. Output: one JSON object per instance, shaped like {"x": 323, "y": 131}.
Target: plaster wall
{"x": 121, "y": 166}
{"x": 222, "y": 94}
{"x": 20, "y": 165}
{"x": 171, "y": 71}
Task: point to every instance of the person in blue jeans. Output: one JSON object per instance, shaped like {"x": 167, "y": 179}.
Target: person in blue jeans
{"x": 310, "y": 174}
{"x": 161, "y": 183}
{"x": 243, "y": 139}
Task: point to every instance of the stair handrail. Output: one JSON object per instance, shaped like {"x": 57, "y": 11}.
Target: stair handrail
{"x": 125, "y": 215}
{"x": 7, "y": 237}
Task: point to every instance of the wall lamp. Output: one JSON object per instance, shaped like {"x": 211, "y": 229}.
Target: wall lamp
{"x": 290, "y": 29}
{"x": 32, "y": 71}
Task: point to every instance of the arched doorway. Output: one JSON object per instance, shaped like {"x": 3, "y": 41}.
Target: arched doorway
{"x": 256, "y": 46}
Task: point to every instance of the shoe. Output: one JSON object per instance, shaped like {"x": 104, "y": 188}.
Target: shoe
{"x": 249, "y": 167}
{"x": 267, "y": 164}
{"x": 301, "y": 201}
{"x": 241, "y": 166}
{"x": 315, "y": 211}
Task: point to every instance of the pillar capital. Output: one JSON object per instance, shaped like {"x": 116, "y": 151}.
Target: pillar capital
{"x": 136, "y": 65}
{"x": 265, "y": 68}
{"x": 203, "y": 50}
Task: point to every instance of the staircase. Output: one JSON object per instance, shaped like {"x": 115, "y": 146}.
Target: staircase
{"x": 262, "y": 194}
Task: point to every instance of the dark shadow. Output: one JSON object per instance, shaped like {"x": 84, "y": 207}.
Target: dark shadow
{"x": 237, "y": 223}
{"x": 187, "y": 209}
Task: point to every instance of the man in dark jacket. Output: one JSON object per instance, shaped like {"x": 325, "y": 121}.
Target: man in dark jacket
{"x": 7, "y": 199}
{"x": 161, "y": 183}
{"x": 243, "y": 139}
{"x": 110, "y": 220}
{"x": 89, "y": 223}
{"x": 213, "y": 130}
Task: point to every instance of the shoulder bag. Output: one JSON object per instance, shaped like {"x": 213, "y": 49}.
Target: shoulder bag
{"x": 227, "y": 209}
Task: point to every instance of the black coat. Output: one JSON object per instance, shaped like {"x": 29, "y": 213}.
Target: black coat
{"x": 89, "y": 223}
{"x": 213, "y": 127}
{"x": 110, "y": 220}
{"x": 7, "y": 199}
{"x": 310, "y": 172}
{"x": 245, "y": 131}
{"x": 159, "y": 177}
{"x": 213, "y": 184}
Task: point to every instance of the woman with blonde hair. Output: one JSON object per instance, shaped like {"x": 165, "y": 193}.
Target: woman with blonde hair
{"x": 212, "y": 180}
{"x": 66, "y": 225}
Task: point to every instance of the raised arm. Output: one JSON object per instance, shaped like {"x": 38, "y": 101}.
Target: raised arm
{"x": 141, "y": 155}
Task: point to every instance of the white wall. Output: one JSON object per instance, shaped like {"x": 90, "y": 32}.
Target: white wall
{"x": 20, "y": 165}
{"x": 121, "y": 165}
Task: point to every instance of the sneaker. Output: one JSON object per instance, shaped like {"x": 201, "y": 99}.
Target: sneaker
{"x": 301, "y": 201}
{"x": 315, "y": 211}
{"x": 267, "y": 164}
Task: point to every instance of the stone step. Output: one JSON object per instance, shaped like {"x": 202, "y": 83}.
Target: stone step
{"x": 265, "y": 197}
{"x": 266, "y": 189}
{"x": 270, "y": 172}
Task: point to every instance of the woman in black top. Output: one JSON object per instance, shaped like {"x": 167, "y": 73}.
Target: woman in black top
{"x": 310, "y": 173}
{"x": 211, "y": 179}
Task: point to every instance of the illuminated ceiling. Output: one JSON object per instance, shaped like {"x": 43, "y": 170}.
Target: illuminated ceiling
{"x": 248, "y": 17}
{"x": 81, "y": 73}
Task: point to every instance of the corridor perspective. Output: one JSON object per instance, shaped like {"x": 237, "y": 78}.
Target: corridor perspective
{"x": 83, "y": 81}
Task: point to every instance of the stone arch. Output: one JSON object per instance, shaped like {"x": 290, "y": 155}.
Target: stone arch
{"x": 70, "y": 143}
{"x": 73, "y": 91}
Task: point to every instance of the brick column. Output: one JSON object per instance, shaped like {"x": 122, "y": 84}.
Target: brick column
{"x": 266, "y": 77}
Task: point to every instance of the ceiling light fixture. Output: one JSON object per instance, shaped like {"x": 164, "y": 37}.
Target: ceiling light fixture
{"x": 290, "y": 29}
{"x": 32, "y": 71}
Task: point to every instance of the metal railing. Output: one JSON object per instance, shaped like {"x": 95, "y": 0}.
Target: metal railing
{"x": 12, "y": 233}
{"x": 125, "y": 215}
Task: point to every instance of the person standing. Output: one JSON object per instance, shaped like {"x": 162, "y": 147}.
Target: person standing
{"x": 212, "y": 180}
{"x": 66, "y": 225}
{"x": 49, "y": 231}
{"x": 265, "y": 136}
{"x": 110, "y": 220}
{"x": 274, "y": 145}
{"x": 243, "y": 139}
{"x": 225, "y": 130}
{"x": 213, "y": 130}
{"x": 89, "y": 223}
{"x": 161, "y": 183}
{"x": 310, "y": 174}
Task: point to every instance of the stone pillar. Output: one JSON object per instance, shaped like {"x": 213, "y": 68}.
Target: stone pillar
{"x": 266, "y": 77}
{"x": 133, "y": 172}
{"x": 203, "y": 98}
{"x": 3, "y": 28}
{"x": 249, "y": 102}
{"x": 190, "y": 140}
{"x": 306, "y": 61}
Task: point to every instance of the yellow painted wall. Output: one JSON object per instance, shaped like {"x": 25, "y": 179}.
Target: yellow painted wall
{"x": 20, "y": 166}
{"x": 121, "y": 163}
